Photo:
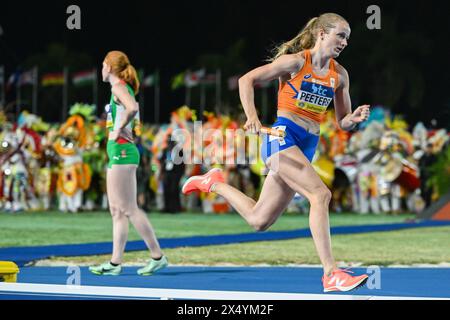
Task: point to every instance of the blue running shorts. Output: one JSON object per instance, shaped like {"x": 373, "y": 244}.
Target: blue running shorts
{"x": 295, "y": 136}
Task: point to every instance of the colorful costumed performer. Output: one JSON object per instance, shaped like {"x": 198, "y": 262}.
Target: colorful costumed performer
{"x": 74, "y": 176}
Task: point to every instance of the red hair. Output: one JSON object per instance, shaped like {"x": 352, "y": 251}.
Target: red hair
{"x": 122, "y": 68}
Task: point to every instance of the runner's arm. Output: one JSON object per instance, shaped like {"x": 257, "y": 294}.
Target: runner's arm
{"x": 131, "y": 107}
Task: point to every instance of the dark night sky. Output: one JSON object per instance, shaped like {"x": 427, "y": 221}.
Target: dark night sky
{"x": 170, "y": 35}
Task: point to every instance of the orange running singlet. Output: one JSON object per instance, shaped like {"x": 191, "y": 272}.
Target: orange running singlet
{"x": 308, "y": 94}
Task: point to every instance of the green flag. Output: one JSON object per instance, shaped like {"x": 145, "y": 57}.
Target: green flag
{"x": 151, "y": 80}
{"x": 178, "y": 81}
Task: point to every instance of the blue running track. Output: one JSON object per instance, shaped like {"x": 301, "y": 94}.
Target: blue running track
{"x": 23, "y": 255}
{"x": 259, "y": 283}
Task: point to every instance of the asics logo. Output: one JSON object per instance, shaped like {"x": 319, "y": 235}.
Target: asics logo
{"x": 337, "y": 281}
{"x": 206, "y": 181}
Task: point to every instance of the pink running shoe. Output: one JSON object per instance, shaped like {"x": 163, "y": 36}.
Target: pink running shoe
{"x": 340, "y": 280}
{"x": 204, "y": 182}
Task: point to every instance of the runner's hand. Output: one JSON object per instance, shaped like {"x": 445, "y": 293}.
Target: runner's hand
{"x": 361, "y": 114}
{"x": 253, "y": 125}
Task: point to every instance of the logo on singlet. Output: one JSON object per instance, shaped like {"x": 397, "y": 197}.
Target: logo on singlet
{"x": 314, "y": 97}
{"x": 307, "y": 76}
{"x": 324, "y": 83}
{"x": 332, "y": 82}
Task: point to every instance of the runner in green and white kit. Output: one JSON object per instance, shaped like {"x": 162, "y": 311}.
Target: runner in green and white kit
{"x": 125, "y": 152}
{"x": 123, "y": 117}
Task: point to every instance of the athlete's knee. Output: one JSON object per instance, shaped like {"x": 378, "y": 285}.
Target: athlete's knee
{"x": 119, "y": 210}
{"x": 321, "y": 195}
{"x": 259, "y": 224}
{"x": 262, "y": 226}
{"x": 131, "y": 211}
{"x": 115, "y": 211}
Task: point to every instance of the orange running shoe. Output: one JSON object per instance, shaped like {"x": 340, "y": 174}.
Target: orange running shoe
{"x": 204, "y": 182}
{"x": 340, "y": 280}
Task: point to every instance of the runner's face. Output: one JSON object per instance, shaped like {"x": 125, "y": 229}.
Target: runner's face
{"x": 336, "y": 39}
{"x": 105, "y": 72}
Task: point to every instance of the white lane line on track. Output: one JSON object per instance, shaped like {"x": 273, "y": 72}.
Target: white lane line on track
{"x": 149, "y": 293}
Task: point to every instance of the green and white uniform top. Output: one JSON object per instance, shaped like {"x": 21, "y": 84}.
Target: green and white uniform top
{"x": 121, "y": 151}
{"x": 116, "y": 112}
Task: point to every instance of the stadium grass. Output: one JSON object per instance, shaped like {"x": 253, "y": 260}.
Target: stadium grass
{"x": 43, "y": 228}
{"x": 406, "y": 247}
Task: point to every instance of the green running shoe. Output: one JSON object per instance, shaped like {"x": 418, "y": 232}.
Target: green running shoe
{"x": 106, "y": 269}
{"x": 153, "y": 266}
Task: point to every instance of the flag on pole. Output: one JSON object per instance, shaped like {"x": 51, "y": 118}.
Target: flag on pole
{"x": 178, "y": 81}
{"x": 209, "y": 79}
{"x": 2, "y": 75}
{"x": 12, "y": 80}
{"x": 65, "y": 79}
{"x": 140, "y": 74}
{"x": 95, "y": 88}
{"x": 2, "y": 84}
{"x": 27, "y": 77}
{"x": 151, "y": 80}
{"x": 218, "y": 90}
{"x": 156, "y": 96}
{"x": 233, "y": 82}
{"x": 193, "y": 79}
{"x": 35, "y": 90}
{"x": 83, "y": 78}
{"x": 53, "y": 79}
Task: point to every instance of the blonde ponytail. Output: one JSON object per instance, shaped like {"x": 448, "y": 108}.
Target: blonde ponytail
{"x": 307, "y": 37}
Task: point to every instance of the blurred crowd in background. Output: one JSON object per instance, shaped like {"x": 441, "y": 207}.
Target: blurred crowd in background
{"x": 383, "y": 166}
